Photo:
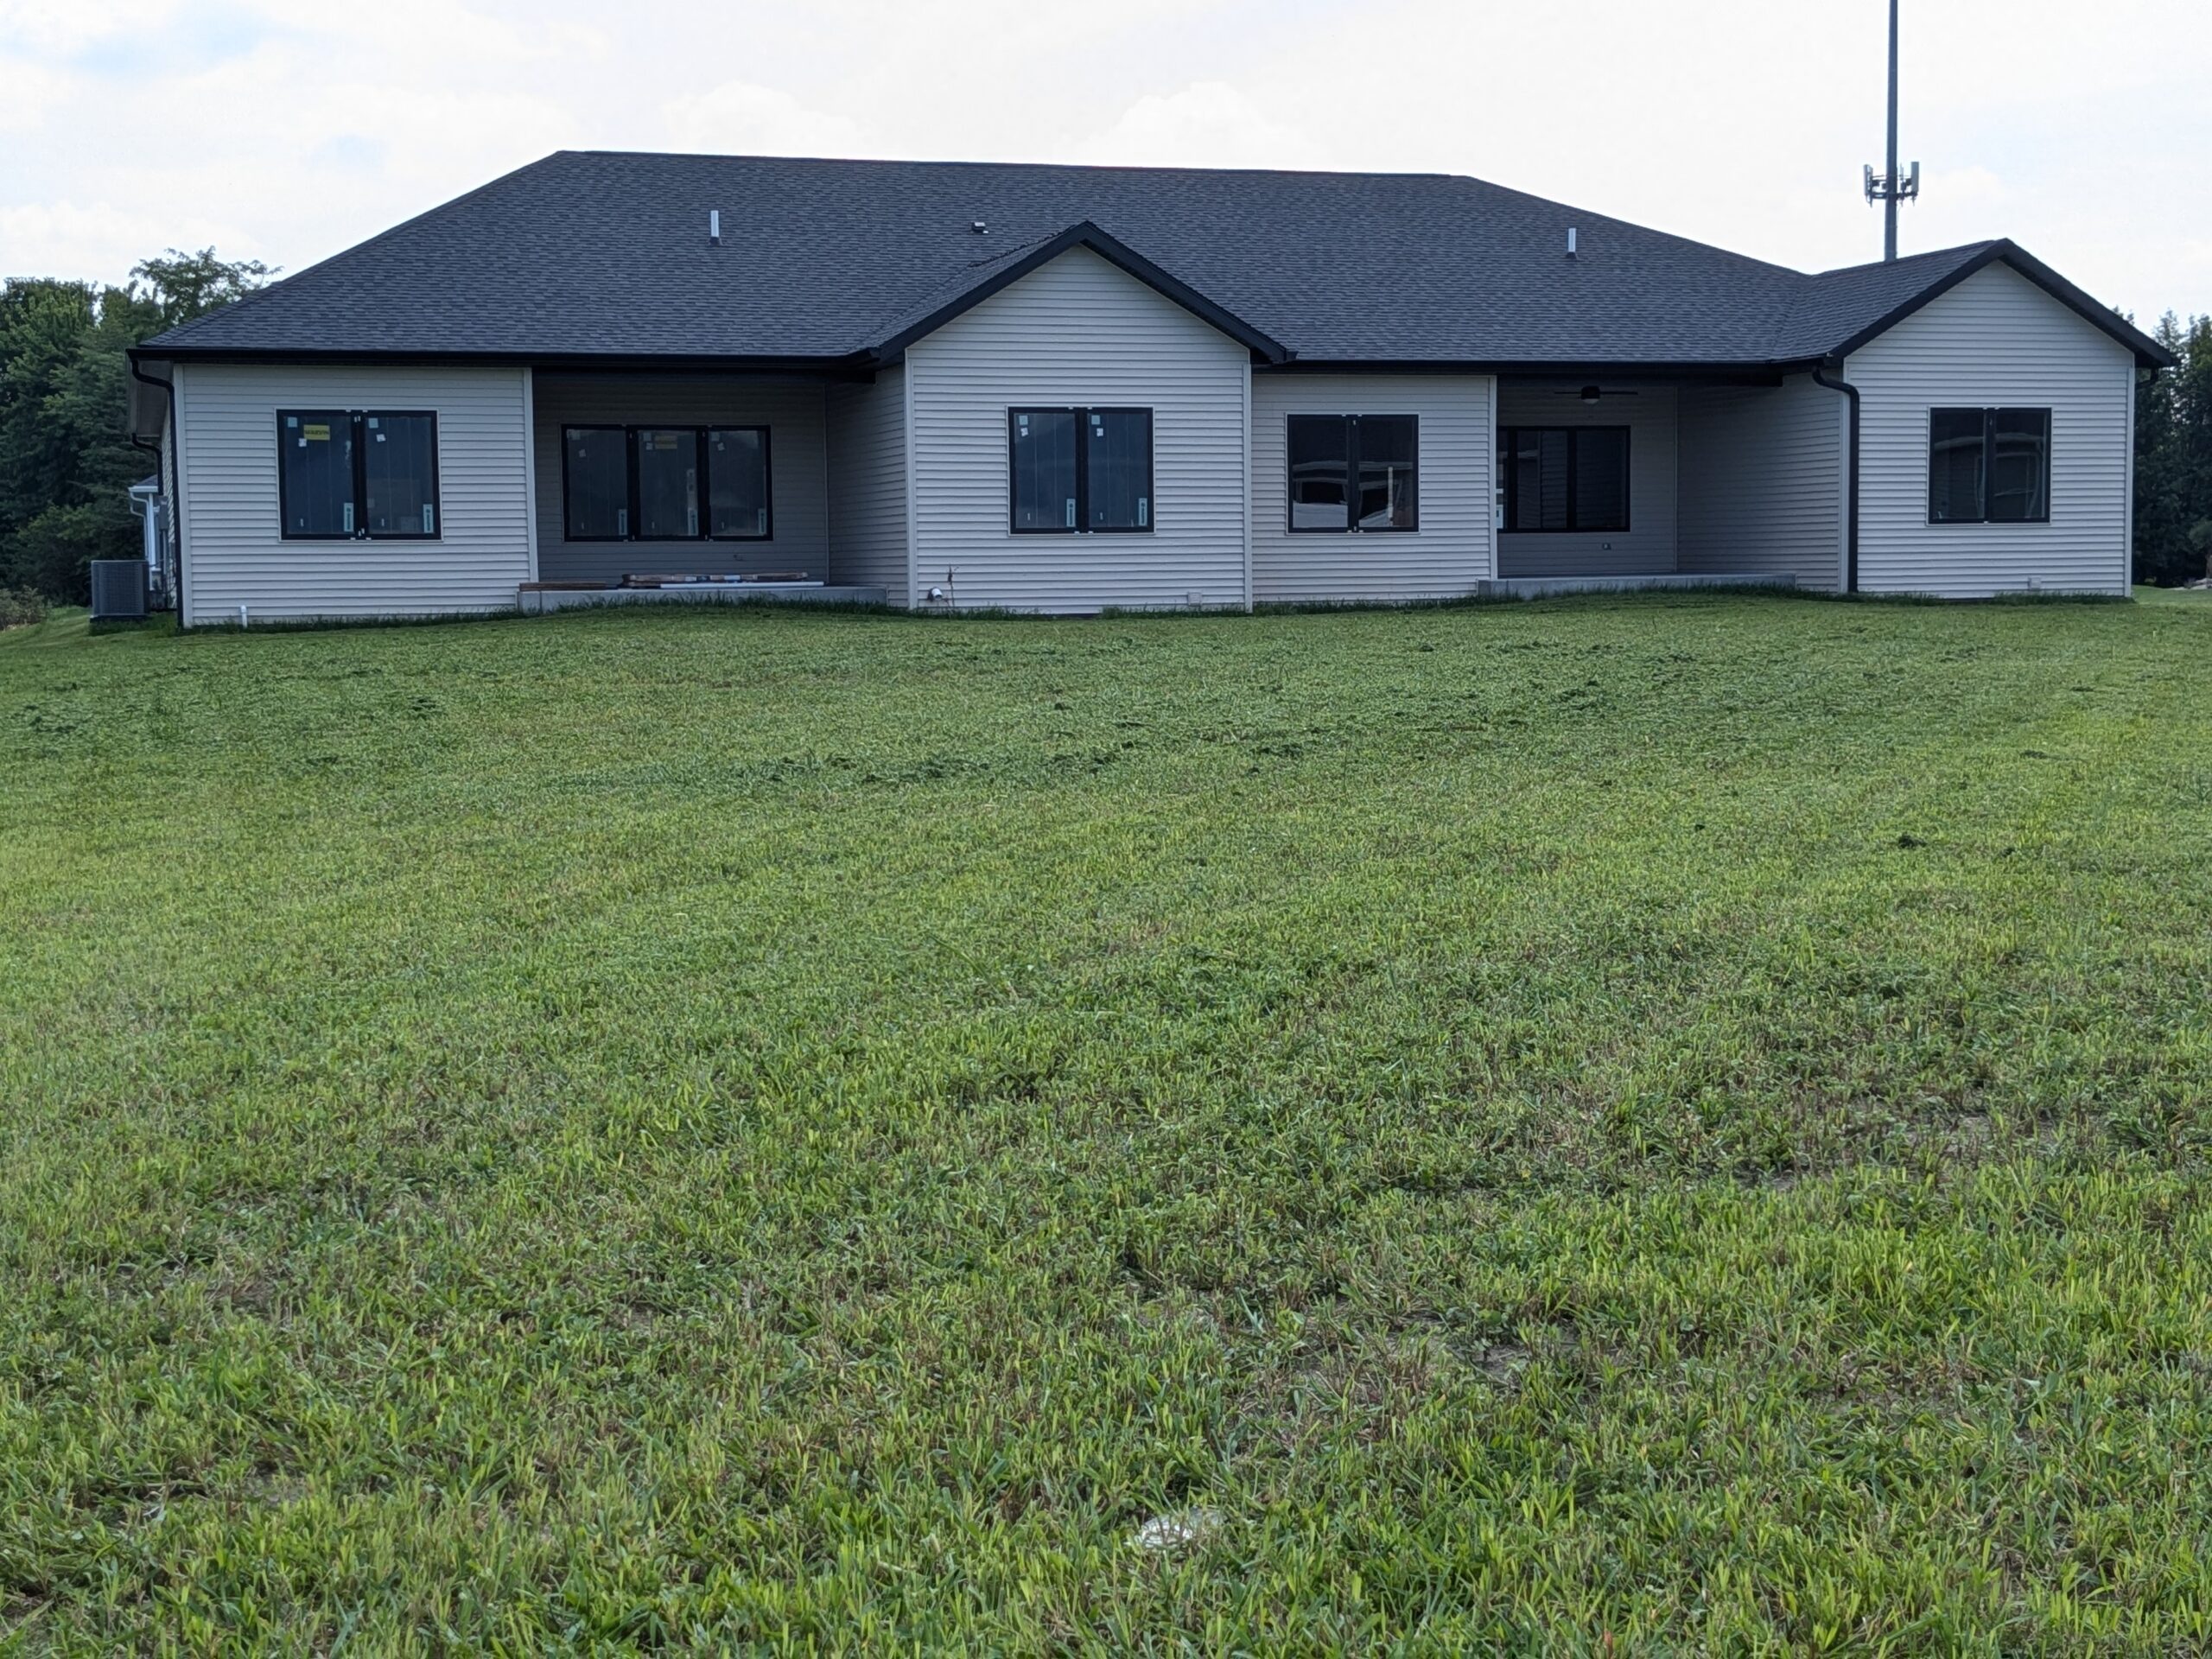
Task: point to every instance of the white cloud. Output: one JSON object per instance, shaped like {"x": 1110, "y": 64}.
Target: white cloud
{"x": 100, "y": 240}
{"x": 740, "y": 119}
{"x": 289, "y": 133}
{"x": 30, "y": 93}
{"x": 1210, "y": 118}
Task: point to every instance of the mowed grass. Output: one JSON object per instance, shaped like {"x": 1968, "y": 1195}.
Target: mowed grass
{"x": 1672, "y": 1123}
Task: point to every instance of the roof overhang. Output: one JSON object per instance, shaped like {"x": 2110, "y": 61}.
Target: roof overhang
{"x": 2149, "y": 354}
{"x": 851, "y": 365}
{"x": 1742, "y": 374}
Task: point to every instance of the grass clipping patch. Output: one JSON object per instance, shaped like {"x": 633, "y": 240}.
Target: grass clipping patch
{"x": 1677, "y": 1122}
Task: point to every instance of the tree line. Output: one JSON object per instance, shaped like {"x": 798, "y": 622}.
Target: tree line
{"x": 2173, "y": 459}
{"x": 66, "y": 463}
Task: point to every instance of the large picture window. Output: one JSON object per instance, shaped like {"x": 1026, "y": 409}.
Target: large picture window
{"x": 1564, "y": 478}
{"x": 314, "y": 472}
{"x": 345, "y": 475}
{"x": 1354, "y": 473}
{"x": 667, "y": 462}
{"x": 1989, "y": 466}
{"x": 595, "y": 481}
{"x": 1070, "y": 470}
{"x": 737, "y": 483}
{"x": 665, "y": 484}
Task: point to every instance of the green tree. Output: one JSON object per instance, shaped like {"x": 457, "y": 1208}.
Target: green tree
{"x": 2162, "y": 551}
{"x": 182, "y": 286}
{"x": 65, "y": 461}
{"x": 2192, "y": 442}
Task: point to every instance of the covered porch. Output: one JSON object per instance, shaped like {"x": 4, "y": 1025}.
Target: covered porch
{"x": 1609, "y": 482}
{"x": 700, "y": 486}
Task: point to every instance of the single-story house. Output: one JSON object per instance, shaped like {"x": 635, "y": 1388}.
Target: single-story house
{"x": 1066, "y": 389}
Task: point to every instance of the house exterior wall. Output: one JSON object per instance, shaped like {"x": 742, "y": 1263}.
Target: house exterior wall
{"x": 235, "y": 552}
{"x": 1646, "y": 546}
{"x": 1995, "y": 339}
{"x": 1079, "y": 332}
{"x": 867, "y": 476}
{"x": 1454, "y": 548}
{"x": 1764, "y": 481}
{"x": 795, "y": 413}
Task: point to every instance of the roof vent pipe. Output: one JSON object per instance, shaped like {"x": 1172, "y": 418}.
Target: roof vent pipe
{"x": 714, "y": 227}
{"x": 979, "y": 227}
{"x": 1570, "y": 241}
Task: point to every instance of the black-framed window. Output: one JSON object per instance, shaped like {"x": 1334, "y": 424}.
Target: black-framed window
{"x": 666, "y": 483}
{"x": 1070, "y": 470}
{"x": 1564, "y": 478}
{"x": 399, "y": 473}
{"x": 1354, "y": 473}
{"x": 737, "y": 484}
{"x": 315, "y": 474}
{"x": 665, "y": 468}
{"x": 596, "y": 484}
{"x": 1988, "y": 465}
{"x": 348, "y": 475}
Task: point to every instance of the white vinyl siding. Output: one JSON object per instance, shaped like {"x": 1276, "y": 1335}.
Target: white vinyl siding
{"x": 1994, "y": 340}
{"x": 1446, "y": 558}
{"x": 1764, "y": 474}
{"x": 798, "y": 471}
{"x": 1646, "y": 546}
{"x": 868, "y": 508}
{"x": 1078, "y": 331}
{"x": 235, "y": 551}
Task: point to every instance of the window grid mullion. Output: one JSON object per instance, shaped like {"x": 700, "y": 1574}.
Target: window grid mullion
{"x": 700, "y": 456}
{"x": 1989, "y": 461}
{"x": 1573, "y": 480}
{"x": 1081, "y": 471}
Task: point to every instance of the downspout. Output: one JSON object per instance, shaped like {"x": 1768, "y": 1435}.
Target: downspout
{"x": 1821, "y": 377}
{"x": 168, "y": 414}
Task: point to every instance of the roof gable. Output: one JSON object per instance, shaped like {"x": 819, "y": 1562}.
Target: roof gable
{"x": 995, "y": 275}
{"x": 1950, "y": 268}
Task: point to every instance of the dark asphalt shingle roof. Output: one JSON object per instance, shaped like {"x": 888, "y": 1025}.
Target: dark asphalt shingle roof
{"x": 597, "y": 254}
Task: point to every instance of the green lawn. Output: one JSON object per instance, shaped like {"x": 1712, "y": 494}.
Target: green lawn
{"x": 1677, "y": 1122}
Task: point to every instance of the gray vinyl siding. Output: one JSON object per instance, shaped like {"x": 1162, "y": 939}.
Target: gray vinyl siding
{"x": 798, "y": 470}
{"x": 868, "y": 506}
{"x": 1994, "y": 340}
{"x": 1646, "y": 546}
{"x": 1764, "y": 481}
{"x": 1448, "y": 557}
{"x": 236, "y": 553}
{"x": 1078, "y": 331}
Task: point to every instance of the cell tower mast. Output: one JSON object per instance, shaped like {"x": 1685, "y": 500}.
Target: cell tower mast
{"x": 1891, "y": 187}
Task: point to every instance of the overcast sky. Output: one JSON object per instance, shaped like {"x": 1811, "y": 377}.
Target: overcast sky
{"x": 288, "y": 131}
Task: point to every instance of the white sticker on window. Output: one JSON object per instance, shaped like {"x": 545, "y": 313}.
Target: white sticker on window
{"x": 1144, "y": 510}
{"x": 429, "y": 519}
{"x": 349, "y": 518}
{"x": 1070, "y": 512}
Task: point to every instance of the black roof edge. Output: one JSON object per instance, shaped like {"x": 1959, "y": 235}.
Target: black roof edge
{"x": 863, "y": 364}
{"x": 1114, "y": 251}
{"x": 2149, "y": 354}
{"x": 1738, "y": 374}
{"x": 851, "y": 365}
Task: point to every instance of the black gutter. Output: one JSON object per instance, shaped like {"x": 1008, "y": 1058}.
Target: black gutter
{"x": 1820, "y": 378}
{"x": 168, "y": 414}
